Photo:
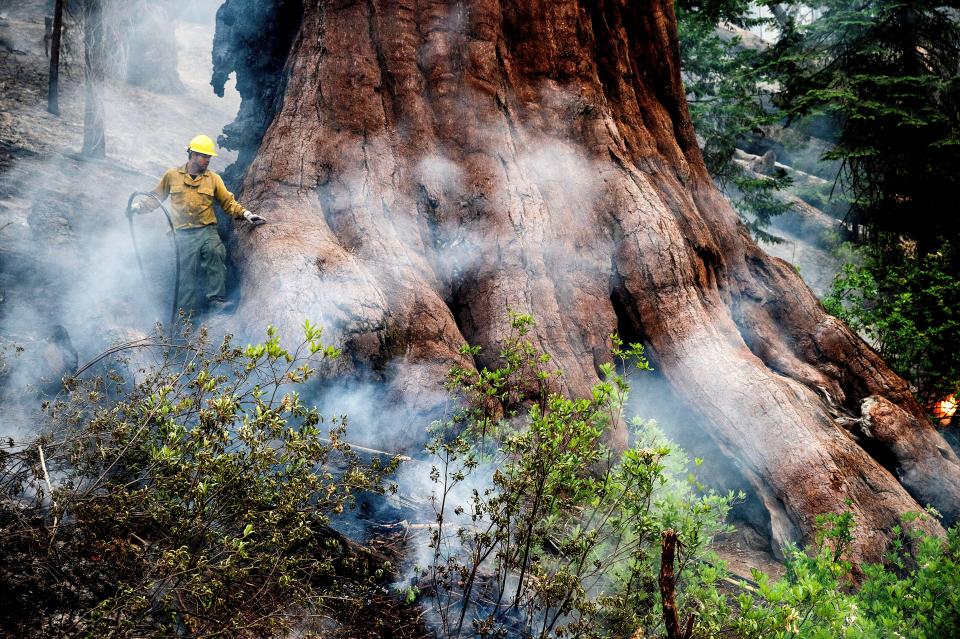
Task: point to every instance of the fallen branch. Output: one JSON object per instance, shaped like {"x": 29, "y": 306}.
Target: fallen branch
{"x": 371, "y": 452}
{"x": 46, "y": 476}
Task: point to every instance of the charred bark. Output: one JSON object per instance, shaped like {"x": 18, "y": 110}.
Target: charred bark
{"x": 253, "y": 38}
{"x": 430, "y": 165}
{"x": 53, "y": 83}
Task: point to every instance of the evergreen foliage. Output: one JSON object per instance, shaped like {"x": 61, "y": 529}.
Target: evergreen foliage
{"x": 911, "y": 312}
{"x": 721, "y": 79}
{"x": 883, "y": 75}
{"x": 728, "y": 105}
{"x": 886, "y": 71}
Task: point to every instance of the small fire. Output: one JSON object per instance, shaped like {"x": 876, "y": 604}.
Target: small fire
{"x": 945, "y": 409}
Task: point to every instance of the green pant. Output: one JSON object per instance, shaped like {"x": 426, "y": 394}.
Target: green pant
{"x": 203, "y": 270}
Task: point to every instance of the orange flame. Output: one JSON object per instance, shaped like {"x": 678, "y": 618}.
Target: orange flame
{"x": 945, "y": 409}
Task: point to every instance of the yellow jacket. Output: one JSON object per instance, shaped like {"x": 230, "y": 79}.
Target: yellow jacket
{"x": 192, "y": 198}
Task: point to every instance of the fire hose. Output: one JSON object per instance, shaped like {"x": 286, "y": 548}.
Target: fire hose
{"x": 176, "y": 250}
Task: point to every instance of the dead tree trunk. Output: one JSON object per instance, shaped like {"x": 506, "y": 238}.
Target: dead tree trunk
{"x": 151, "y": 47}
{"x": 94, "y": 125}
{"x": 53, "y": 84}
{"x": 668, "y": 588}
{"x": 430, "y": 165}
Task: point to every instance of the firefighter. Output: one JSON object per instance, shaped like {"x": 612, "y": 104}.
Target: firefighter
{"x": 193, "y": 189}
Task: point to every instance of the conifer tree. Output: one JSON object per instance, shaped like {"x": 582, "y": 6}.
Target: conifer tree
{"x": 887, "y": 71}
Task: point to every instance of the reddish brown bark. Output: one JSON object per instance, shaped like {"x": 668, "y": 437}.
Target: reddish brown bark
{"x": 668, "y": 588}
{"x": 410, "y": 177}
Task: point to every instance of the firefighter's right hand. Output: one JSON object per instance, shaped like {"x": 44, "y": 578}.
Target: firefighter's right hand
{"x": 138, "y": 208}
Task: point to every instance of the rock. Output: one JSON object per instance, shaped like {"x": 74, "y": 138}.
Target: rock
{"x": 766, "y": 163}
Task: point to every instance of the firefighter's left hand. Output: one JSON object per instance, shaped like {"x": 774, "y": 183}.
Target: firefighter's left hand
{"x": 253, "y": 218}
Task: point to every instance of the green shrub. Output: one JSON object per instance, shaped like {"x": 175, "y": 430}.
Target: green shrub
{"x": 194, "y": 503}
{"x": 724, "y": 85}
{"x": 909, "y": 310}
{"x": 558, "y": 535}
{"x": 914, "y": 595}
{"x": 198, "y": 501}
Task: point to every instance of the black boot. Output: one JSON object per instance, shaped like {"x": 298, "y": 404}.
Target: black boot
{"x": 220, "y": 306}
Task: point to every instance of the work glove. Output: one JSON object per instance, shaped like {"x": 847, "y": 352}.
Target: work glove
{"x": 253, "y": 218}
{"x": 138, "y": 208}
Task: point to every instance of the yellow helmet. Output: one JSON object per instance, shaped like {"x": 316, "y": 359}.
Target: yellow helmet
{"x": 203, "y": 144}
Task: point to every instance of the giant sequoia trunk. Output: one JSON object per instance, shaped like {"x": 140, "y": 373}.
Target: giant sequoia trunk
{"x": 427, "y": 166}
